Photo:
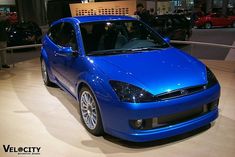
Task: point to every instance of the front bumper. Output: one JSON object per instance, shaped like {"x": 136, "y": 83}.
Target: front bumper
{"x": 154, "y": 134}
{"x": 116, "y": 115}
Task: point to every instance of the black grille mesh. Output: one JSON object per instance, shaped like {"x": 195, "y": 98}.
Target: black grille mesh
{"x": 180, "y": 92}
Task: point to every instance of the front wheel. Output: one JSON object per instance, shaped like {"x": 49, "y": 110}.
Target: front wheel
{"x": 89, "y": 111}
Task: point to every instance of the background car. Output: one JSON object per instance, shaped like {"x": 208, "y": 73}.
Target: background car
{"x": 173, "y": 26}
{"x": 24, "y": 33}
{"x": 215, "y": 20}
{"x": 128, "y": 80}
{"x": 12, "y": 17}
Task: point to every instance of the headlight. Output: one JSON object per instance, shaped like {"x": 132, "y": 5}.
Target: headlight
{"x": 210, "y": 78}
{"x": 130, "y": 93}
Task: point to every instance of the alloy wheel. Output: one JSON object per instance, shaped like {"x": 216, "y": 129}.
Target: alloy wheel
{"x": 88, "y": 110}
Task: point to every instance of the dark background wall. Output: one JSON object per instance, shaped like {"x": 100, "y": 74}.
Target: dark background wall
{"x": 47, "y": 11}
{"x": 33, "y": 10}
{"x": 43, "y": 11}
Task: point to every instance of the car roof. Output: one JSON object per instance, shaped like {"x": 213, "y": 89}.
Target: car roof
{"x": 94, "y": 18}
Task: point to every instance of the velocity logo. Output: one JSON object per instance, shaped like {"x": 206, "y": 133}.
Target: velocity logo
{"x": 22, "y": 150}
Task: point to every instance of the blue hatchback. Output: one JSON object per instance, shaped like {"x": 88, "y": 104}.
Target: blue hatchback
{"x": 128, "y": 80}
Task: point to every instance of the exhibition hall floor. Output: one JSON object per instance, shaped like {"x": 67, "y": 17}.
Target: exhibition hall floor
{"x": 32, "y": 115}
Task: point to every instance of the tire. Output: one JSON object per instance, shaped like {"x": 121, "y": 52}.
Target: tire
{"x": 208, "y": 25}
{"x": 89, "y": 112}
{"x": 44, "y": 72}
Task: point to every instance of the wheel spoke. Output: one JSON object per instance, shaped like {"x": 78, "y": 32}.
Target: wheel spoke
{"x": 88, "y": 110}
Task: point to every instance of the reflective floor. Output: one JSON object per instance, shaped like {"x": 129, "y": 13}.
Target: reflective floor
{"x": 37, "y": 116}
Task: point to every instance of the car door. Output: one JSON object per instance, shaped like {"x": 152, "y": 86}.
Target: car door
{"x": 51, "y": 46}
{"x": 215, "y": 20}
{"x": 65, "y": 54}
{"x": 70, "y": 60}
{"x": 224, "y": 20}
{"x": 219, "y": 20}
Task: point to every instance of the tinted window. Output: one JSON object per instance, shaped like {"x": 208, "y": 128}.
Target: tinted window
{"x": 63, "y": 34}
{"x": 118, "y": 35}
{"x": 53, "y": 33}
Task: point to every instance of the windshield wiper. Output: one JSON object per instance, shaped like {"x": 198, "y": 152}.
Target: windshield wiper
{"x": 107, "y": 52}
{"x": 144, "y": 48}
{"x": 122, "y": 51}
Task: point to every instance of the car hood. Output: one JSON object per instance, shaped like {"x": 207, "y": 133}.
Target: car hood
{"x": 155, "y": 71}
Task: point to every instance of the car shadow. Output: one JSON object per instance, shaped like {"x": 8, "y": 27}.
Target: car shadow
{"x": 161, "y": 142}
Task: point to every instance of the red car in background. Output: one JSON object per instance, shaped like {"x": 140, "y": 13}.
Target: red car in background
{"x": 215, "y": 20}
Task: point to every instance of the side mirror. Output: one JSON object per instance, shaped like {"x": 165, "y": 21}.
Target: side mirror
{"x": 67, "y": 52}
{"x": 166, "y": 39}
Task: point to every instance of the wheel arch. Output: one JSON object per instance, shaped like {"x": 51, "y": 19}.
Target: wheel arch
{"x": 82, "y": 84}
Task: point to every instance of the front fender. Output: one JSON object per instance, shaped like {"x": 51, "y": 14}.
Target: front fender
{"x": 100, "y": 89}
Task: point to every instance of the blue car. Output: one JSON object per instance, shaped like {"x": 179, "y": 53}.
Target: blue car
{"x": 129, "y": 82}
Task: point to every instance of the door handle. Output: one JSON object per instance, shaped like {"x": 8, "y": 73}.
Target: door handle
{"x": 72, "y": 54}
{"x": 61, "y": 54}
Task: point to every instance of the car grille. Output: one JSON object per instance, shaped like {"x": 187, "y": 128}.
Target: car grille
{"x": 175, "y": 118}
{"x": 183, "y": 116}
{"x": 180, "y": 92}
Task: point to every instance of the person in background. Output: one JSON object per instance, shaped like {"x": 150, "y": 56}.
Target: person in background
{"x": 152, "y": 17}
{"x": 3, "y": 40}
{"x": 143, "y": 13}
{"x": 152, "y": 12}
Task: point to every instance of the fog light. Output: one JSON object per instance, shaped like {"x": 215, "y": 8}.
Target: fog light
{"x": 138, "y": 123}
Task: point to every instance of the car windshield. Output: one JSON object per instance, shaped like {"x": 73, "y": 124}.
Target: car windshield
{"x": 119, "y": 37}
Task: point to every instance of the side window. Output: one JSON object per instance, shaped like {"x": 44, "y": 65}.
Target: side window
{"x": 68, "y": 36}
{"x": 53, "y": 33}
{"x": 63, "y": 34}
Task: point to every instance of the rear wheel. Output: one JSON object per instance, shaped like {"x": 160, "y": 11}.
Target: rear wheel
{"x": 89, "y": 111}
{"x": 44, "y": 71}
{"x": 208, "y": 25}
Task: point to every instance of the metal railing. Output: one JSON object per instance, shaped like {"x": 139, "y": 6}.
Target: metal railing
{"x": 172, "y": 42}
{"x": 17, "y": 48}
{"x": 201, "y": 43}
